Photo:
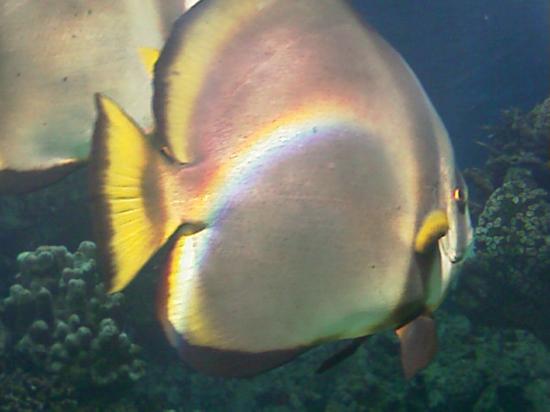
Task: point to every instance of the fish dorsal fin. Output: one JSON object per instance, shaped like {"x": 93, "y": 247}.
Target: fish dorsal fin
{"x": 190, "y": 52}
{"x": 418, "y": 344}
{"x": 434, "y": 226}
{"x": 149, "y": 57}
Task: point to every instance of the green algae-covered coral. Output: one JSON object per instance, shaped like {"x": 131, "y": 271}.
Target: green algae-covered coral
{"x": 482, "y": 369}
{"x": 59, "y": 320}
{"x": 476, "y": 369}
{"x": 56, "y": 215}
{"x": 507, "y": 283}
{"x": 26, "y": 392}
{"x": 514, "y": 227}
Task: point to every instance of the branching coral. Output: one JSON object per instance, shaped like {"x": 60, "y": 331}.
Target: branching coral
{"x": 521, "y": 140}
{"x": 59, "y": 319}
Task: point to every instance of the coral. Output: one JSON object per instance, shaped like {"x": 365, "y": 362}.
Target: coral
{"x": 521, "y": 133}
{"x": 476, "y": 368}
{"x": 60, "y": 321}
{"x": 514, "y": 227}
{"x": 507, "y": 283}
{"x": 520, "y": 140}
{"x": 481, "y": 369}
{"x": 58, "y": 214}
{"x": 25, "y": 392}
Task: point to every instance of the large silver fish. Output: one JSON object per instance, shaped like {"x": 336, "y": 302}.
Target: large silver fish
{"x": 54, "y": 55}
{"x": 301, "y": 179}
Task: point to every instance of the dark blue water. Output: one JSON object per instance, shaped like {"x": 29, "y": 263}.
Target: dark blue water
{"x": 473, "y": 58}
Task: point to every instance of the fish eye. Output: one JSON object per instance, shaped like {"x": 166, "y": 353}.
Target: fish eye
{"x": 459, "y": 196}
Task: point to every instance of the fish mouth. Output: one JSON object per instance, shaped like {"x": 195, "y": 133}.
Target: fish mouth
{"x": 453, "y": 256}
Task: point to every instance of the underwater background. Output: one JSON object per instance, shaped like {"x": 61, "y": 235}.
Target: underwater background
{"x": 486, "y": 67}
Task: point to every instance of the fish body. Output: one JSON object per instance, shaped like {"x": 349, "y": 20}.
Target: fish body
{"x": 55, "y": 55}
{"x": 312, "y": 182}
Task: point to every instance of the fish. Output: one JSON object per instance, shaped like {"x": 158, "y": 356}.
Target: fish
{"x": 55, "y": 55}
{"x": 298, "y": 180}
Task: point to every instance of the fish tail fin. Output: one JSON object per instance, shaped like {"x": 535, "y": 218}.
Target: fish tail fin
{"x": 131, "y": 194}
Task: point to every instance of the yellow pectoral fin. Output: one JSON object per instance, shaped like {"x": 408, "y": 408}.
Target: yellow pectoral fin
{"x": 149, "y": 57}
{"x": 130, "y": 185}
{"x": 434, "y": 226}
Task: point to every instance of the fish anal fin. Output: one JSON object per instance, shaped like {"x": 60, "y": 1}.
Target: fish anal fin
{"x": 434, "y": 226}
{"x": 131, "y": 186}
{"x": 418, "y": 344}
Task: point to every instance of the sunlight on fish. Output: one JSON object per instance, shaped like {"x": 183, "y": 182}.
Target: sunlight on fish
{"x": 300, "y": 178}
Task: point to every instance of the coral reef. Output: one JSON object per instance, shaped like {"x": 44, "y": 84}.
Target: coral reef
{"x": 520, "y": 140}
{"x": 23, "y": 391}
{"x": 507, "y": 283}
{"x": 58, "y": 320}
{"x": 483, "y": 369}
{"x": 56, "y": 215}
{"x": 476, "y": 369}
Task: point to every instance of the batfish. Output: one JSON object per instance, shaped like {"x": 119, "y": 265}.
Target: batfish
{"x": 55, "y": 54}
{"x": 298, "y": 177}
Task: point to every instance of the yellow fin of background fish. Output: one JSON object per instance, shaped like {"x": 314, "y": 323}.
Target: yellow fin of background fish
{"x": 149, "y": 57}
{"x": 434, "y": 226}
{"x": 131, "y": 207}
